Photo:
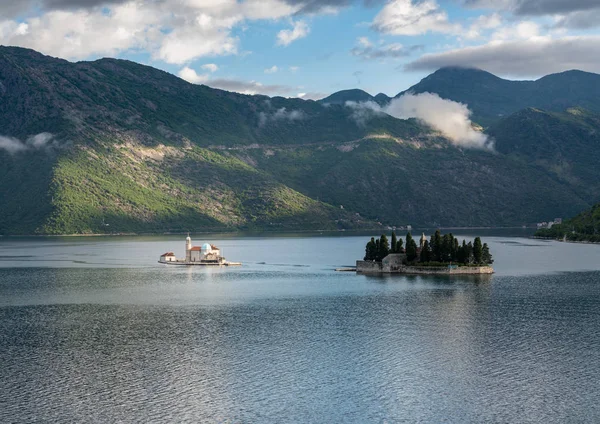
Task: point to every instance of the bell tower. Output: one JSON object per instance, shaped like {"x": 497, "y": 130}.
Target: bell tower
{"x": 188, "y": 248}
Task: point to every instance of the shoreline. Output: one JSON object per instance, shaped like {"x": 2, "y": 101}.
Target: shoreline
{"x": 255, "y": 232}
{"x": 565, "y": 241}
{"x": 390, "y": 267}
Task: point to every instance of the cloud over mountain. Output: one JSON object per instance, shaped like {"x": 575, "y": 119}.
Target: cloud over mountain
{"x": 523, "y": 58}
{"x": 449, "y": 117}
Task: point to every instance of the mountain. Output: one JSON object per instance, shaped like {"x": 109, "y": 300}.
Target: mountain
{"x": 566, "y": 144}
{"x": 491, "y": 98}
{"x": 354, "y": 95}
{"x": 114, "y": 146}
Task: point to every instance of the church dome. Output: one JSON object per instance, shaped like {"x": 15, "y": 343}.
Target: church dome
{"x": 206, "y": 248}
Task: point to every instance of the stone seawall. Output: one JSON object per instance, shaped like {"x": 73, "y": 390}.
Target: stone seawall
{"x": 395, "y": 266}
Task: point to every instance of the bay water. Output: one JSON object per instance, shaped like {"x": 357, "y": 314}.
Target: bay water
{"x": 95, "y": 330}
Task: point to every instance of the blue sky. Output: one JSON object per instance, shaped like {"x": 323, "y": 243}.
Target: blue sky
{"x": 312, "y": 48}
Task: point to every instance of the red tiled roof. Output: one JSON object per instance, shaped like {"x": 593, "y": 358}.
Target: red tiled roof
{"x": 168, "y": 254}
{"x": 212, "y": 246}
{"x": 196, "y": 249}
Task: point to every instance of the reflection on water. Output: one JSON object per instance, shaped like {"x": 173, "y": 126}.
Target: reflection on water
{"x": 134, "y": 341}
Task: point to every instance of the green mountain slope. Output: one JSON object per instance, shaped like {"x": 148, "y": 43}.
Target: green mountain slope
{"x": 565, "y": 144}
{"x": 135, "y": 149}
{"x": 422, "y": 182}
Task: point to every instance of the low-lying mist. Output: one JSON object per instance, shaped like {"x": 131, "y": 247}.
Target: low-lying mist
{"x": 13, "y": 145}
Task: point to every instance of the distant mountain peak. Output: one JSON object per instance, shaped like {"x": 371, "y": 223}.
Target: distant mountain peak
{"x": 343, "y": 96}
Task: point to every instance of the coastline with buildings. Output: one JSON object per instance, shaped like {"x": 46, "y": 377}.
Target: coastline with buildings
{"x": 205, "y": 255}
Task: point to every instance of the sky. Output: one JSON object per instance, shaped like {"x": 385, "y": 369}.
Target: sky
{"x": 312, "y": 48}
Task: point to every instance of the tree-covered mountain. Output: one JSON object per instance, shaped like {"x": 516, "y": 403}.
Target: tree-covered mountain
{"x": 114, "y": 146}
{"x": 491, "y": 98}
{"x": 566, "y": 144}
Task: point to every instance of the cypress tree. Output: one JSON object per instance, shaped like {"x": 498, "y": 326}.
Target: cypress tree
{"x": 461, "y": 256}
{"x": 411, "y": 248}
{"x": 399, "y": 246}
{"x": 384, "y": 247}
{"x": 370, "y": 250}
{"x": 394, "y": 245}
{"x": 436, "y": 246}
{"x": 425, "y": 252}
{"x": 377, "y": 249}
{"x": 477, "y": 250}
{"x": 455, "y": 249}
{"x": 486, "y": 256}
{"x": 446, "y": 250}
{"x": 469, "y": 253}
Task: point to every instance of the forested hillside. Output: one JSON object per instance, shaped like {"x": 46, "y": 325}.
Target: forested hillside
{"x": 114, "y": 146}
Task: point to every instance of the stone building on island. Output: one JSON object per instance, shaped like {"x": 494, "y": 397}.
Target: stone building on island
{"x": 207, "y": 254}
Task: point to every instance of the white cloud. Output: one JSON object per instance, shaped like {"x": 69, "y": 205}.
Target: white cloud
{"x": 250, "y": 87}
{"x": 580, "y": 20}
{"x": 12, "y": 145}
{"x": 368, "y": 51}
{"x": 210, "y": 67}
{"x": 525, "y": 30}
{"x": 36, "y": 142}
{"x": 294, "y": 68}
{"x": 576, "y": 14}
{"x": 174, "y": 31}
{"x": 79, "y": 34}
{"x": 449, "y": 117}
{"x": 482, "y": 24}
{"x": 364, "y": 42}
{"x": 299, "y": 30}
{"x": 204, "y": 36}
{"x": 279, "y": 115}
{"x": 271, "y": 70}
{"x": 536, "y": 7}
{"x": 405, "y": 17}
{"x": 192, "y": 76}
{"x": 522, "y": 58}
{"x": 312, "y": 95}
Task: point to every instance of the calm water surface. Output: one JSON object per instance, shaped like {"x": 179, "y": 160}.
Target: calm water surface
{"x": 94, "y": 330}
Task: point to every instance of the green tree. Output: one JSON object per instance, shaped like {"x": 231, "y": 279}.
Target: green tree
{"x": 486, "y": 256}
{"x": 425, "y": 252}
{"x": 394, "y": 245}
{"x": 477, "y": 250}
{"x": 455, "y": 249}
{"x": 400, "y": 246}
{"x": 436, "y": 246}
{"x": 384, "y": 247}
{"x": 370, "y": 250}
{"x": 411, "y": 248}
{"x": 469, "y": 253}
{"x": 461, "y": 256}
{"x": 446, "y": 249}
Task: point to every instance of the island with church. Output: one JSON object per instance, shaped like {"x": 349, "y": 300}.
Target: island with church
{"x": 205, "y": 255}
{"x": 442, "y": 254}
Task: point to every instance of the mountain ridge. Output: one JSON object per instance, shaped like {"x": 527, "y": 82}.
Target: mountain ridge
{"x": 142, "y": 150}
{"x": 490, "y": 98}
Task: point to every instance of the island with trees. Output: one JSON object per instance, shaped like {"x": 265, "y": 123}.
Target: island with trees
{"x": 441, "y": 254}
